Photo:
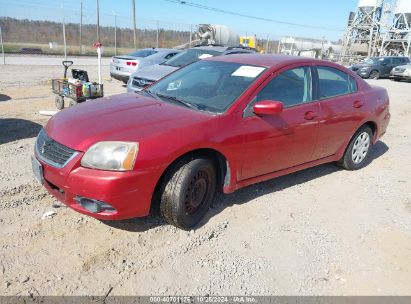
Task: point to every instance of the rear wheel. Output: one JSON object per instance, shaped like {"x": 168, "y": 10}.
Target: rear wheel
{"x": 59, "y": 101}
{"x": 73, "y": 102}
{"x": 358, "y": 151}
{"x": 188, "y": 191}
{"x": 374, "y": 74}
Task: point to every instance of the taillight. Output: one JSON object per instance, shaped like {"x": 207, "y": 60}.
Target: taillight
{"x": 131, "y": 63}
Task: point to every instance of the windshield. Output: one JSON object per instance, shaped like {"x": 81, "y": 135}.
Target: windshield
{"x": 190, "y": 56}
{"x": 210, "y": 86}
{"x": 143, "y": 53}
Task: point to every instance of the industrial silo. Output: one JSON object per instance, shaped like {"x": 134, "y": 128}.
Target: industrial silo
{"x": 367, "y": 6}
{"x": 402, "y": 14}
{"x": 363, "y": 32}
{"x": 397, "y": 41}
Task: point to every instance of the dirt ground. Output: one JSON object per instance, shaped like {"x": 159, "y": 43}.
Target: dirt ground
{"x": 322, "y": 231}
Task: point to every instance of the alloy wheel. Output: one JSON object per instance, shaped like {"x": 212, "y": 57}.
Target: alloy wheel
{"x": 360, "y": 148}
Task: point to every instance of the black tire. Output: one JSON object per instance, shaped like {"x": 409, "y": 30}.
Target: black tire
{"x": 59, "y": 101}
{"x": 374, "y": 74}
{"x": 354, "y": 157}
{"x": 188, "y": 191}
{"x": 397, "y": 79}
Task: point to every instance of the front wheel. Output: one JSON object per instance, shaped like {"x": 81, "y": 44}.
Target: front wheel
{"x": 188, "y": 191}
{"x": 358, "y": 150}
{"x": 59, "y": 101}
{"x": 375, "y": 75}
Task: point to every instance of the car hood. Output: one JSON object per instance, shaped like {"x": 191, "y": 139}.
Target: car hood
{"x": 359, "y": 66}
{"x": 124, "y": 117}
{"x": 155, "y": 72}
{"x": 405, "y": 66}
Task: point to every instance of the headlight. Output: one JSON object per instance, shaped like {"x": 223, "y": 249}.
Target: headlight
{"x": 364, "y": 69}
{"x": 111, "y": 155}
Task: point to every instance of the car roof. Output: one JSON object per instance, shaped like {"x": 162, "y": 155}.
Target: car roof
{"x": 210, "y": 47}
{"x": 155, "y": 49}
{"x": 165, "y": 50}
{"x": 222, "y": 49}
{"x": 264, "y": 60}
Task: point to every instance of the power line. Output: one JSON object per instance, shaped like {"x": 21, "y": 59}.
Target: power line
{"x": 209, "y": 8}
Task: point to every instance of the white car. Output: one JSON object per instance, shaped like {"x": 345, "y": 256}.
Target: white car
{"x": 121, "y": 67}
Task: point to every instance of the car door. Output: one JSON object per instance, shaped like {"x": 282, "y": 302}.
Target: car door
{"x": 387, "y": 66}
{"x": 396, "y": 61}
{"x": 273, "y": 143}
{"x": 341, "y": 109}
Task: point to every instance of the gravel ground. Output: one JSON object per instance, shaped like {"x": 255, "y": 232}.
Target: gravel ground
{"x": 322, "y": 231}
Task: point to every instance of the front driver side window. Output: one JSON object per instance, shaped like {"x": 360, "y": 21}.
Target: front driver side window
{"x": 291, "y": 87}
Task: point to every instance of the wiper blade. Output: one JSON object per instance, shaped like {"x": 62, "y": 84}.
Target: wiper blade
{"x": 151, "y": 94}
{"x": 173, "y": 98}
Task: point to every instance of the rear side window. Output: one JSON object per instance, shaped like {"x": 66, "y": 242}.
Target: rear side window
{"x": 334, "y": 82}
{"x": 170, "y": 55}
{"x": 291, "y": 87}
{"x": 353, "y": 85}
{"x": 397, "y": 60}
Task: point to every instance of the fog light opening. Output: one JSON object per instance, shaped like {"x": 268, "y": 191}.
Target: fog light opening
{"x": 94, "y": 206}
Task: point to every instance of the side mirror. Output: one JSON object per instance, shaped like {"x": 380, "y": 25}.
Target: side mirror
{"x": 268, "y": 107}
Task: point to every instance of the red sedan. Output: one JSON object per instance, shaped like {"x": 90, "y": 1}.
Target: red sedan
{"x": 219, "y": 124}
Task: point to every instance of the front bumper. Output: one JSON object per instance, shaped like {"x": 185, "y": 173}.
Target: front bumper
{"x": 131, "y": 88}
{"x": 121, "y": 77}
{"x": 400, "y": 75}
{"x": 364, "y": 73}
{"x": 129, "y": 193}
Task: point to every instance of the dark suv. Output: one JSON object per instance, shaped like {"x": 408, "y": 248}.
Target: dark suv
{"x": 146, "y": 76}
{"x": 376, "y": 67}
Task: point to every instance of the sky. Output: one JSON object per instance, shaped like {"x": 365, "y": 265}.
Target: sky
{"x": 331, "y": 14}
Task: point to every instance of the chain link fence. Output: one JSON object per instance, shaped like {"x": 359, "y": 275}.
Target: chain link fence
{"x": 66, "y": 32}
{"x": 74, "y": 39}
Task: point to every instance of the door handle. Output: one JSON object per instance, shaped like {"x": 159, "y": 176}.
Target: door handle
{"x": 310, "y": 115}
{"x": 357, "y": 104}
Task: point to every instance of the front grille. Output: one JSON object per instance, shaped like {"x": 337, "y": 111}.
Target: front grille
{"x": 52, "y": 152}
{"x": 141, "y": 82}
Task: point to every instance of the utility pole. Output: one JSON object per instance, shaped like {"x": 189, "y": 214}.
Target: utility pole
{"x": 2, "y": 47}
{"x": 134, "y": 24}
{"x": 115, "y": 33}
{"x": 266, "y": 46}
{"x": 98, "y": 22}
{"x": 64, "y": 34}
{"x": 81, "y": 27}
{"x": 157, "y": 26}
{"x": 322, "y": 47}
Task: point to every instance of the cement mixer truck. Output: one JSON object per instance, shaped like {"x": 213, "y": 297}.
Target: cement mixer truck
{"x": 212, "y": 34}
